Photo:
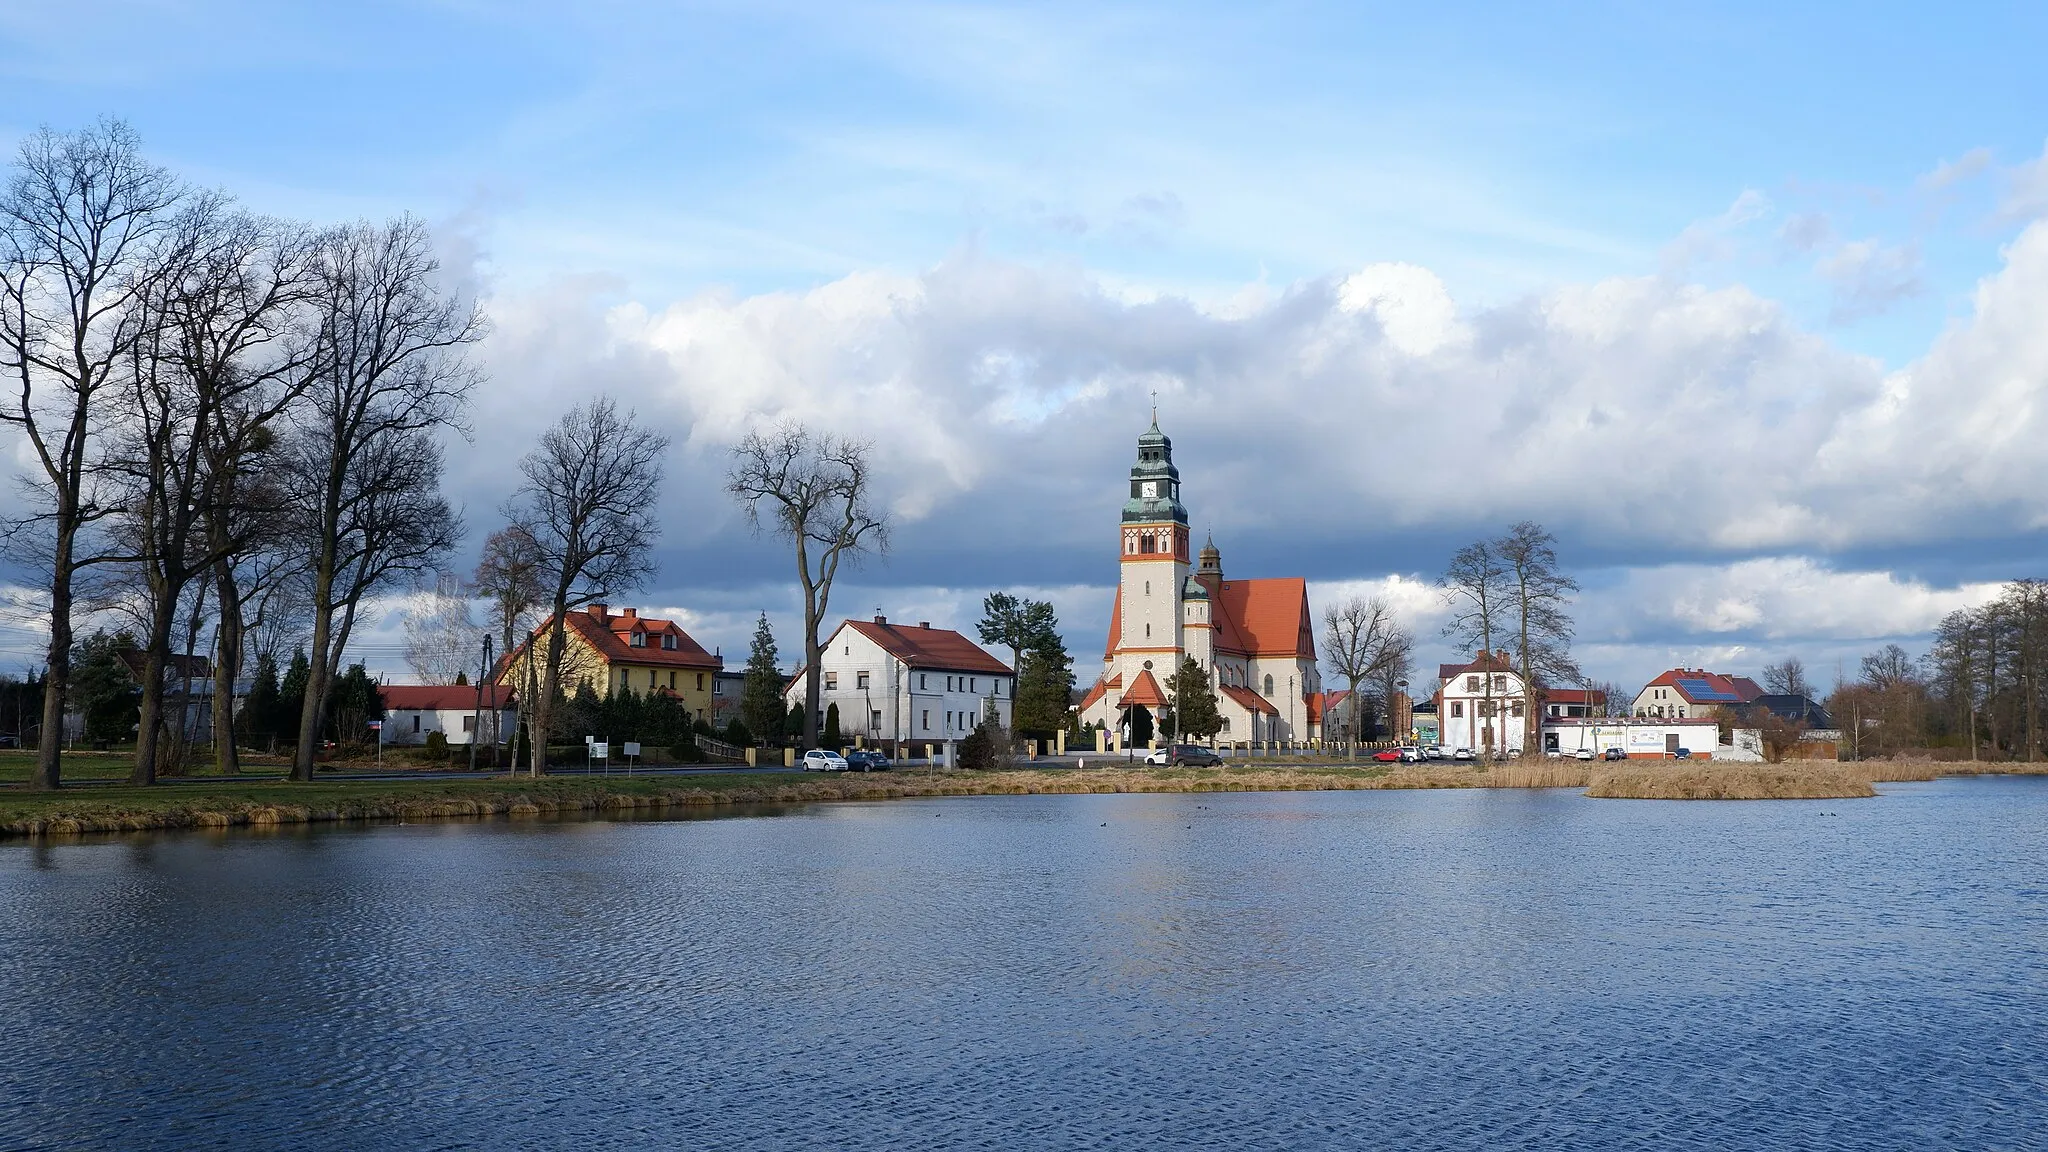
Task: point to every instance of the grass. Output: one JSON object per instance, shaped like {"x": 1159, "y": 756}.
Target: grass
{"x": 1723, "y": 780}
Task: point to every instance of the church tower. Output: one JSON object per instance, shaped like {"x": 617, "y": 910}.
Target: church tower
{"x": 1155, "y": 561}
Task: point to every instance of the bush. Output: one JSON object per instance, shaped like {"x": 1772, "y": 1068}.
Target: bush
{"x": 703, "y": 728}
{"x": 737, "y": 734}
{"x": 687, "y": 753}
{"x": 830, "y": 737}
{"x": 985, "y": 749}
{"x": 437, "y": 747}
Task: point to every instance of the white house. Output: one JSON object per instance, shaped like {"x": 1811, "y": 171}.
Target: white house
{"x": 414, "y": 711}
{"x": 1481, "y": 705}
{"x": 908, "y": 684}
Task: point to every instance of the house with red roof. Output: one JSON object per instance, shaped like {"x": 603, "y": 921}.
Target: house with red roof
{"x": 1693, "y": 693}
{"x": 906, "y": 683}
{"x": 412, "y": 712}
{"x": 613, "y": 652}
{"x": 1255, "y": 639}
{"x": 1482, "y": 704}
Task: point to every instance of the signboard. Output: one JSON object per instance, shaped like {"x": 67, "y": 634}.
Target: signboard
{"x": 631, "y": 749}
{"x": 376, "y": 725}
{"x": 600, "y": 750}
{"x": 1646, "y": 740}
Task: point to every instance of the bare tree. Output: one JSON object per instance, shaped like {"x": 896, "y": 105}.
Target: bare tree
{"x": 588, "y": 510}
{"x": 217, "y": 362}
{"x": 1539, "y": 602}
{"x": 439, "y": 635}
{"x": 508, "y": 575}
{"x": 390, "y": 368}
{"x": 81, "y": 225}
{"x": 816, "y": 491}
{"x": 1787, "y": 678}
{"x": 1475, "y": 588}
{"x": 1958, "y": 665}
{"x": 1363, "y": 641}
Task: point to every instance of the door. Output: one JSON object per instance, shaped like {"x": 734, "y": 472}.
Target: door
{"x": 1670, "y": 743}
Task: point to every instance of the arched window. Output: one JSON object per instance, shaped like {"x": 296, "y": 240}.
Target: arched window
{"x": 1269, "y": 686}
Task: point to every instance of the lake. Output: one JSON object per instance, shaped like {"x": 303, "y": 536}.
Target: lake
{"x": 1449, "y": 969}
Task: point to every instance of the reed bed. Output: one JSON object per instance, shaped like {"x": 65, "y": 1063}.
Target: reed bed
{"x": 1724, "y": 780}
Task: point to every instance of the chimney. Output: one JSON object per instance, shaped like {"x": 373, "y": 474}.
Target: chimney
{"x": 630, "y": 613}
{"x": 599, "y": 613}
{"x": 881, "y": 619}
{"x": 924, "y": 623}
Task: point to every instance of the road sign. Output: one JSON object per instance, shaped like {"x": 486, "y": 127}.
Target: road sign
{"x": 376, "y": 725}
{"x": 600, "y": 750}
{"x": 631, "y": 749}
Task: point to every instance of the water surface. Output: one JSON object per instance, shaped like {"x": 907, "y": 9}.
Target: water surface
{"x": 1447, "y": 969}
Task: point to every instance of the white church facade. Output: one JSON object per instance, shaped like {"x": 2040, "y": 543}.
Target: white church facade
{"x": 1254, "y": 638}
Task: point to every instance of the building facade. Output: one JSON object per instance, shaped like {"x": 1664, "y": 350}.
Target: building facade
{"x": 412, "y": 712}
{"x": 909, "y": 684}
{"x": 1483, "y": 705}
{"x": 613, "y": 652}
{"x": 1254, "y": 639}
{"x": 1693, "y": 693}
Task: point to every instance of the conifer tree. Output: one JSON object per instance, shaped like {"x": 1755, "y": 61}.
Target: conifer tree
{"x": 761, "y": 692}
{"x": 832, "y": 737}
{"x": 1194, "y": 703}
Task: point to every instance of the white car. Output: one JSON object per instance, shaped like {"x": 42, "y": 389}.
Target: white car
{"x": 1462, "y": 754}
{"x": 1432, "y": 751}
{"x": 819, "y": 760}
{"x": 1411, "y": 754}
{"x": 1583, "y": 754}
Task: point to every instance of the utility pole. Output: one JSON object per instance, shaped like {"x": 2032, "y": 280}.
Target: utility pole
{"x": 476, "y": 721}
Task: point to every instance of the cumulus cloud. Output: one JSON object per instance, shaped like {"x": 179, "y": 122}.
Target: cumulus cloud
{"x": 2026, "y": 189}
{"x": 1868, "y": 278}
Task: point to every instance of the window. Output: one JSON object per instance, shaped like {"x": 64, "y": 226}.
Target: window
{"x": 1500, "y": 683}
{"x": 1517, "y": 710}
{"x": 920, "y": 680}
{"x": 1269, "y": 686}
{"x": 971, "y": 682}
{"x": 1145, "y": 545}
{"x": 1148, "y": 587}
{"x": 875, "y": 720}
{"x": 1457, "y": 709}
{"x": 668, "y": 641}
{"x": 638, "y": 639}
{"x": 949, "y": 683}
{"x": 860, "y": 680}
{"x": 700, "y": 681}
{"x": 1471, "y": 683}
{"x": 651, "y": 674}
{"x": 831, "y": 681}
{"x": 415, "y": 721}
{"x": 469, "y": 723}
{"x": 672, "y": 681}
{"x": 1148, "y": 631}
{"x": 924, "y": 720}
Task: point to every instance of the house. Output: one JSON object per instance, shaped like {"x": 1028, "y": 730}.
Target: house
{"x": 1572, "y": 703}
{"x": 1796, "y": 708}
{"x": 901, "y": 683}
{"x": 1690, "y": 693}
{"x": 1482, "y": 705}
{"x": 1254, "y": 639}
{"x": 412, "y": 712}
{"x": 614, "y": 652}
{"x": 726, "y": 689}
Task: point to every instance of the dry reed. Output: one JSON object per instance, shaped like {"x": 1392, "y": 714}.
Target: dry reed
{"x": 1724, "y": 780}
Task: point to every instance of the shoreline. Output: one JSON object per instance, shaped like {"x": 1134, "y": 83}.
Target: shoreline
{"x": 25, "y": 815}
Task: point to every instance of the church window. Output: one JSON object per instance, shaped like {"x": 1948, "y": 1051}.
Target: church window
{"x": 1148, "y": 631}
{"x": 1269, "y": 685}
{"x": 1146, "y": 544}
{"x": 1148, "y": 587}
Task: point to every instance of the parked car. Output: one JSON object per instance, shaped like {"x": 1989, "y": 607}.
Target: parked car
{"x": 1410, "y": 754}
{"x": 1681, "y": 754}
{"x": 1432, "y": 751}
{"x": 819, "y": 760}
{"x": 1583, "y": 754}
{"x": 1615, "y": 754}
{"x": 8, "y": 740}
{"x": 1387, "y": 755}
{"x": 1463, "y": 754}
{"x": 861, "y": 760}
{"x": 1192, "y": 755}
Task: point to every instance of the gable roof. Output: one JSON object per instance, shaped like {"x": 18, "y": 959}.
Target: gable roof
{"x": 1698, "y": 686}
{"x": 924, "y": 646}
{"x": 1266, "y": 617}
{"x": 1484, "y": 662}
{"x": 441, "y": 697}
{"x": 1144, "y": 690}
{"x": 610, "y": 636}
{"x": 1796, "y": 708}
{"x": 1249, "y": 700}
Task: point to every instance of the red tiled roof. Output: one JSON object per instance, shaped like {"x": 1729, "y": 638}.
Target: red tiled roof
{"x": 1116, "y": 622}
{"x": 927, "y": 647}
{"x": 1484, "y": 662}
{"x": 1249, "y": 700}
{"x": 1144, "y": 690}
{"x": 441, "y": 697}
{"x": 1741, "y": 687}
{"x": 1313, "y": 707}
{"x": 1095, "y": 694}
{"x": 1574, "y": 696}
{"x": 1266, "y": 617}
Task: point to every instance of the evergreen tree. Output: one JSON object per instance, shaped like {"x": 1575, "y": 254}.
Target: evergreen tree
{"x": 291, "y": 696}
{"x": 737, "y": 734}
{"x": 832, "y": 737}
{"x": 103, "y": 689}
{"x": 761, "y": 692}
{"x": 792, "y": 725}
{"x": 1045, "y": 690}
{"x": 1194, "y": 704}
{"x": 1021, "y": 625}
{"x": 356, "y": 702}
{"x": 262, "y": 708}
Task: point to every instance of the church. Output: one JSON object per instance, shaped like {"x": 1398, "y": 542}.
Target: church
{"x": 1254, "y": 638}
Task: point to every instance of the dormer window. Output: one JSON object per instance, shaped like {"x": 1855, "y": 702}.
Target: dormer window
{"x": 668, "y": 641}
{"x": 638, "y": 639}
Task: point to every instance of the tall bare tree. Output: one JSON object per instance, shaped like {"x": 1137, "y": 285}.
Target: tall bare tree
{"x": 221, "y": 356}
{"x": 1539, "y": 604}
{"x": 816, "y": 491}
{"x": 588, "y": 509}
{"x": 1362, "y": 641}
{"x": 508, "y": 575}
{"x": 1787, "y": 678}
{"x": 390, "y": 368}
{"x": 1475, "y": 588}
{"x": 81, "y": 226}
{"x": 440, "y": 637}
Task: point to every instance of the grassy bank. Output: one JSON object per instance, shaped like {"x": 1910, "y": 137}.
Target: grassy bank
{"x": 1723, "y": 780}
{"x": 271, "y": 803}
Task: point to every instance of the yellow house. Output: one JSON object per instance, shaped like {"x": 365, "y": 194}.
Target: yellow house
{"x": 627, "y": 650}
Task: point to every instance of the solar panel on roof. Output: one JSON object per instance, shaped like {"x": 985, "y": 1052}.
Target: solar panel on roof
{"x": 1701, "y": 690}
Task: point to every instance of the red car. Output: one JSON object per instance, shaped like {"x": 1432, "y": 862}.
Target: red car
{"x": 1388, "y": 755}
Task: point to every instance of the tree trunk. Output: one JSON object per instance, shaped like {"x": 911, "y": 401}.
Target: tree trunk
{"x": 149, "y": 725}
{"x": 227, "y": 668}
{"x": 312, "y": 710}
{"x": 57, "y": 679}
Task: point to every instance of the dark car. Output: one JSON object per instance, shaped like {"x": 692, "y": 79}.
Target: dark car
{"x": 8, "y": 740}
{"x": 1681, "y": 754}
{"x": 1614, "y": 754}
{"x": 861, "y": 760}
{"x": 1191, "y": 755}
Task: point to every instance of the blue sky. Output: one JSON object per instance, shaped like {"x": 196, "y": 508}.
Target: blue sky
{"x": 1084, "y": 203}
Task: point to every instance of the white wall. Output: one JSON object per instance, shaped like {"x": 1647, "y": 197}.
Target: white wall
{"x": 916, "y": 704}
{"x": 399, "y": 725}
{"x": 1639, "y": 738}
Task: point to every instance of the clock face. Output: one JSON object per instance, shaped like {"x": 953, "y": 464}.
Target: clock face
{"x": 1150, "y": 489}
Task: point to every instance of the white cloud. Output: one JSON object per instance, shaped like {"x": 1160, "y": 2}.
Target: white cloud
{"x": 1949, "y": 173}
{"x": 2026, "y": 189}
{"x": 1868, "y": 277}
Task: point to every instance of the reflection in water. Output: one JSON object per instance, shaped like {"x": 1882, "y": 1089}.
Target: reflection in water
{"x": 1428, "y": 969}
